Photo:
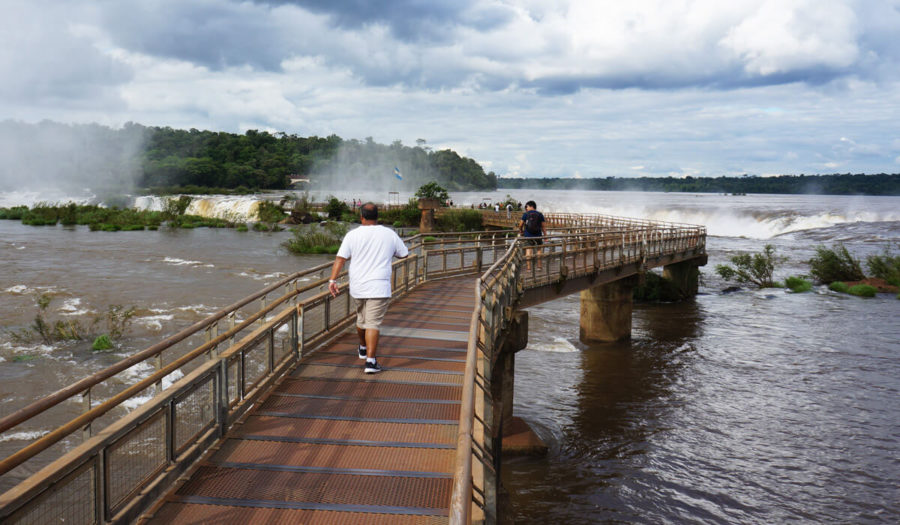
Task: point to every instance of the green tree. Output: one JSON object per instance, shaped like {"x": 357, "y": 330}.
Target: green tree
{"x": 835, "y": 264}
{"x": 757, "y": 268}
{"x": 433, "y": 190}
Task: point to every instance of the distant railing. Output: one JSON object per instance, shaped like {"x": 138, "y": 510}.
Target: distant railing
{"x": 227, "y": 361}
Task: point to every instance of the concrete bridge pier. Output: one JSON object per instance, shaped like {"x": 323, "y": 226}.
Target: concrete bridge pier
{"x": 685, "y": 275}
{"x": 606, "y": 311}
{"x": 510, "y": 435}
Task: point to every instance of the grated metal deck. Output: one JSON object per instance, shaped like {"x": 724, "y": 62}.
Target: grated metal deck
{"x": 332, "y": 444}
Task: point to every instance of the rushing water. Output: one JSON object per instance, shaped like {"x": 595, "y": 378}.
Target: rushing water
{"x": 744, "y": 407}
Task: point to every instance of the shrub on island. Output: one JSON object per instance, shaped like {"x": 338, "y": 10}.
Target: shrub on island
{"x": 835, "y": 264}
{"x": 317, "y": 239}
{"x": 839, "y": 286}
{"x": 797, "y": 284}
{"x": 863, "y": 290}
{"x": 885, "y": 266}
{"x": 757, "y": 268}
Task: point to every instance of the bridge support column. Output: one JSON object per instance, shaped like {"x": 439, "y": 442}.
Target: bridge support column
{"x": 426, "y": 224}
{"x": 606, "y": 311}
{"x": 514, "y": 434}
{"x": 685, "y": 275}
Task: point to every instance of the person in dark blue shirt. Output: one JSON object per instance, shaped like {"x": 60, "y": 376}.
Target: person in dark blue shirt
{"x": 533, "y": 229}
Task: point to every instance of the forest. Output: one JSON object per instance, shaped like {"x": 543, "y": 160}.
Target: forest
{"x": 163, "y": 157}
{"x": 835, "y": 184}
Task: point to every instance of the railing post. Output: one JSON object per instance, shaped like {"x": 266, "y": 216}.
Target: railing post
{"x": 222, "y": 401}
{"x": 263, "y": 302}
{"x": 270, "y": 343}
{"x": 86, "y": 407}
{"x": 478, "y": 259}
{"x": 294, "y": 333}
{"x": 159, "y": 365}
{"x": 300, "y": 319}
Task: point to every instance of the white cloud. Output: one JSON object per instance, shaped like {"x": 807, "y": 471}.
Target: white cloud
{"x": 786, "y": 35}
{"x": 528, "y": 88}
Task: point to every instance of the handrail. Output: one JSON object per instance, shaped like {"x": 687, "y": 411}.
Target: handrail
{"x": 462, "y": 477}
{"x": 62, "y": 394}
{"x": 314, "y": 319}
{"x": 630, "y": 245}
{"x": 49, "y": 401}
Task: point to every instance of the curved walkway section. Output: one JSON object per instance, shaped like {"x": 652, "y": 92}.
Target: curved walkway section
{"x": 331, "y": 444}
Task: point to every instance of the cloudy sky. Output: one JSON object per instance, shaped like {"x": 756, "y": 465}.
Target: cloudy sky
{"x": 570, "y": 88}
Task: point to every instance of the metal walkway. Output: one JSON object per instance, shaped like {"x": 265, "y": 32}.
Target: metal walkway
{"x": 261, "y": 412}
{"x": 331, "y": 444}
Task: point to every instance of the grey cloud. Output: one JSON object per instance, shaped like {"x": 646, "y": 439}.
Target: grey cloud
{"x": 214, "y": 35}
{"x": 424, "y": 47}
{"x": 409, "y": 20}
{"x": 44, "y": 61}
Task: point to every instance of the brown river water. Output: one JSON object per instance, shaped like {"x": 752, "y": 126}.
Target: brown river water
{"x": 756, "y": 406}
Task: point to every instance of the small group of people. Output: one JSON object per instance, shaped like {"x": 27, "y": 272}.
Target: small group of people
{"x": 371, "y": 248}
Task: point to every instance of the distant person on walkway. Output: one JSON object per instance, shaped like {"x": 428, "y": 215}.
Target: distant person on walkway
{"x": 370, "y": 249}
{"x": 532, "y": 228}
{"x": 508, "y": 210}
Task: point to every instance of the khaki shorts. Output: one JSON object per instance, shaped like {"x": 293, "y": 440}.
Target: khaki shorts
{"x": 370, "y": 312}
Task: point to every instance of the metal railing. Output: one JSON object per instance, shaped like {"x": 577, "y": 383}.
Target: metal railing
{"x": 498, "y": 291}
{"x": 229, "y": 360}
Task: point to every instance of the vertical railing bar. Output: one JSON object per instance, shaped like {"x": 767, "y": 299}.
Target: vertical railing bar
{"x": 99, "y": 489}
{"x": 86, "y": 430}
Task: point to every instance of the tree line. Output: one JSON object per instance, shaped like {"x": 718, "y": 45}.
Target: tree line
{"x": 834, "y": 184}
{"x": 164, "y": 157}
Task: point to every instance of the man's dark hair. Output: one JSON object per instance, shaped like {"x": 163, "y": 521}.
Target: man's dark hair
{"x": 369, "y": 211}
{"x": 532, "y": 204}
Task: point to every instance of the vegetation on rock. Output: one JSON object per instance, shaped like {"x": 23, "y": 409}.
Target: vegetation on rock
{"x": 116, "y": 321}
{"x": 835, "y": 264}
{"x": 757, "y": 268}
{"x": 885, "y": 266}
{"x": 863, "y": 290}
{"x": 797, "y": 284}
{"x": 459, "y": 220}
{"x": 317, "y": 238}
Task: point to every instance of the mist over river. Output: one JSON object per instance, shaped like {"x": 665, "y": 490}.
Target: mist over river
{"x": 757, "y": 406}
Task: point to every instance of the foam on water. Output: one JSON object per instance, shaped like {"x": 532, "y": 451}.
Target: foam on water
{"x": 28, "y": 435}
{"x": 154, "y": 322}
{"x": 29, "y": 349}
{"x": 262, "y": 277}
{"x": 8, "y": 199}
{"x": 141, "y": 371}
{"x": 19, "y": 289}
{"x": 174, "y": 261}
{"x": 70, "y": 307}
{"x": 729, "y": 222}
{"x": 558, "y": 345}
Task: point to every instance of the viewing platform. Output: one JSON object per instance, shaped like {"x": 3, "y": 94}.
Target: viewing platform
{"x": 273, "y": 419}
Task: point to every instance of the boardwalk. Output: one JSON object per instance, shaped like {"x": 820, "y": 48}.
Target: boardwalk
{"x": 334, "y": 445}
{"x": 271, "y": 419}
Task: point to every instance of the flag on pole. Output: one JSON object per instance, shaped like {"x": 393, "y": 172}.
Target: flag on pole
{"x": 397, "y": 173}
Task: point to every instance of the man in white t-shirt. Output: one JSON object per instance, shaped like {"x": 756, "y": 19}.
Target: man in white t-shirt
{"x": 370, "y": 249}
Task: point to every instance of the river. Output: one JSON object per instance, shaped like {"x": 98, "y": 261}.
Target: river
{"x": 756, "y": 406}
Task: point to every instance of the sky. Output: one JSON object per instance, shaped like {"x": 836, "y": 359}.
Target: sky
{"x": 528, "y": 88}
